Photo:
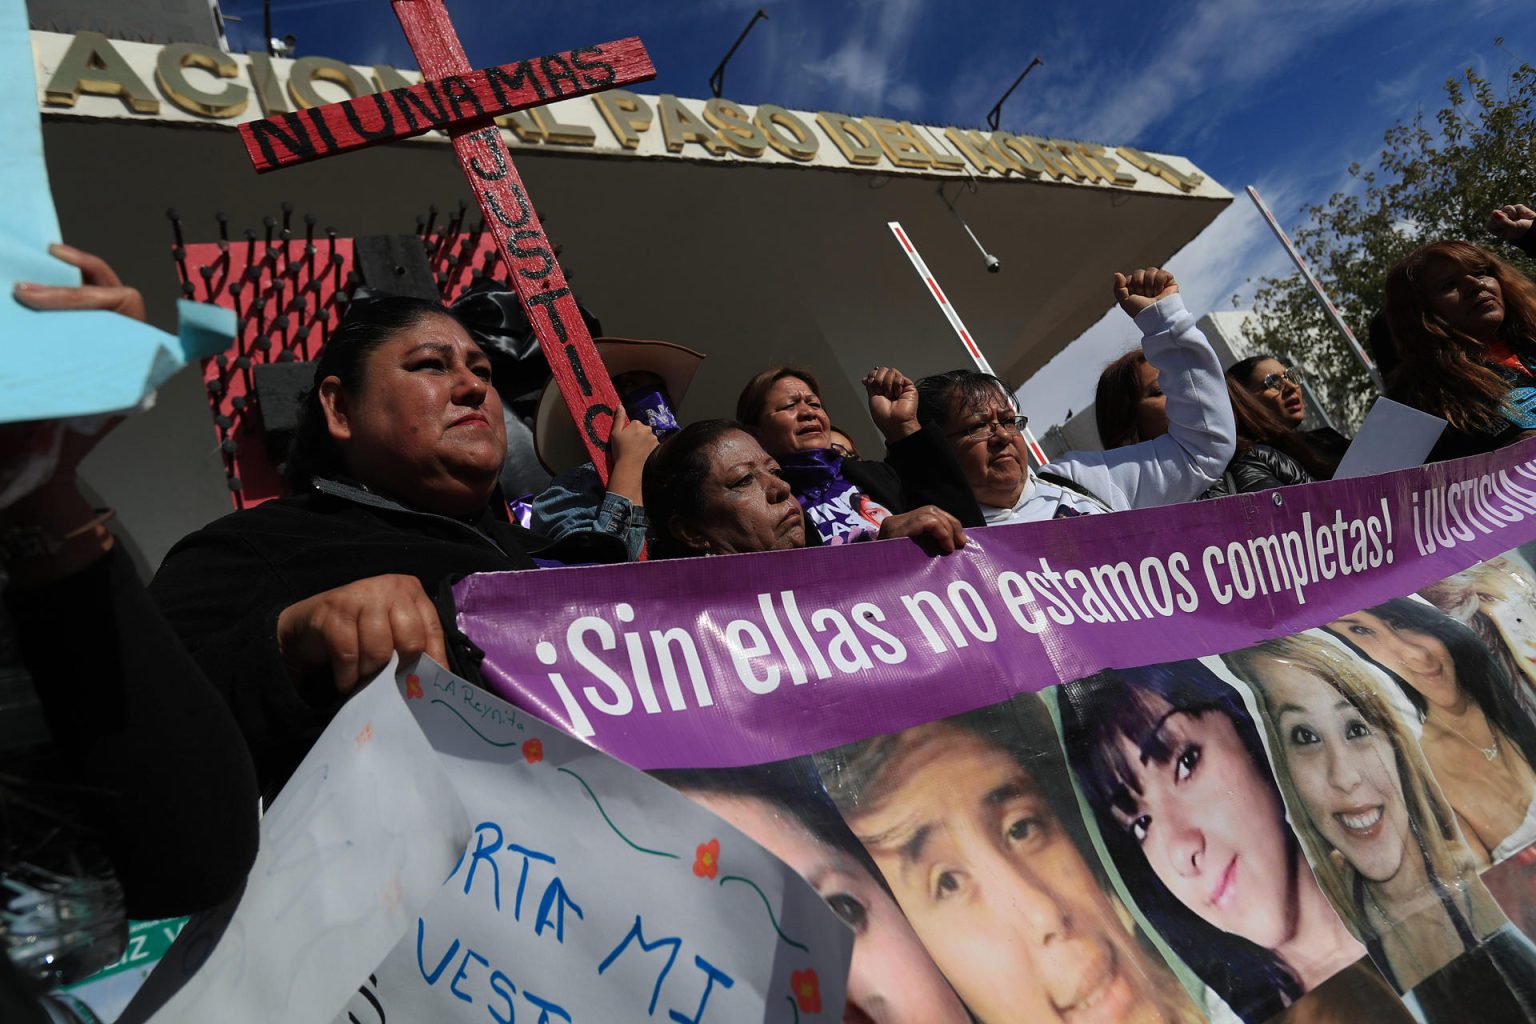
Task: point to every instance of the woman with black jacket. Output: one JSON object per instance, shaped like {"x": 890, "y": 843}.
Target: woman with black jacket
{"x": 1130, "y": 408}
{"x": 393, "y": 492}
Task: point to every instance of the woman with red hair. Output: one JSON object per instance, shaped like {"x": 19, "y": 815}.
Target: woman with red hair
{"x": 1464, "y": 322}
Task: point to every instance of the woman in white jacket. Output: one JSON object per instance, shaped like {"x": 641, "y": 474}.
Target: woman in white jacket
{"x": 978, "y": 417}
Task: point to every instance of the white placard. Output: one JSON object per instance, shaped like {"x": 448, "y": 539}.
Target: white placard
{"x": 1393, "y": 436}
{"x": 592, "y": 892}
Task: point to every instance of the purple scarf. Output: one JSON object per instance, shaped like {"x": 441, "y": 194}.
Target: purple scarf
{"x": 652, "y": 409}
{"x": 841, "y": 512}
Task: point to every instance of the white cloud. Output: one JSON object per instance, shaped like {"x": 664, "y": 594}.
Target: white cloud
{"x": 866, "y": 70}
{"x": 1192, "y": 75}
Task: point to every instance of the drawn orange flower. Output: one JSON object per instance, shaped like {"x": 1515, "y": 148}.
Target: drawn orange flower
{"x": 807, "y": 990}
{"x": 533, "y": 751}
{"x": 413, "y": 687}
{"x": 706, "y": 859}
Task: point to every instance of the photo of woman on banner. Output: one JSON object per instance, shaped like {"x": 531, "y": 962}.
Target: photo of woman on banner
{"x": 972, "y": 821}
{"x": 1380, "y": 835}
{"x": 1478, "y": 741}
{"x": 892, "y": 979}
{"x": 1497, "y": 598}
{"x": 1174, "y": 769}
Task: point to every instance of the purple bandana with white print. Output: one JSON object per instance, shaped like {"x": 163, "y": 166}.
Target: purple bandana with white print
{"x": 841, "y": 512}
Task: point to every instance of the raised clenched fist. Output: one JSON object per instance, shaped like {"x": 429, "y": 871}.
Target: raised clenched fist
{"x": 1141, "y": 288}
{"x": 892, "y": 402}
{"x": 1512, "y": 222}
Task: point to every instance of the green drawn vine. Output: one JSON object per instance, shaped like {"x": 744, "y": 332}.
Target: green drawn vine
{"x": 769, "y": 907}
{"x": 621, "y": 835}
{"x": 477, "y": 732}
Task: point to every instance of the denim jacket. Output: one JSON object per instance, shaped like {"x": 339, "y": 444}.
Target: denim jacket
{"x": 576, "y": 500}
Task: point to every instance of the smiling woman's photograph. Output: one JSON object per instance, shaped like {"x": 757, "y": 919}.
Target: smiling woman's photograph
{"x": 1380, "y": 835}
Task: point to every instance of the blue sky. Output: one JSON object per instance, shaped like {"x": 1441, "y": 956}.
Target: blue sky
{"x": 1284, "y": 95}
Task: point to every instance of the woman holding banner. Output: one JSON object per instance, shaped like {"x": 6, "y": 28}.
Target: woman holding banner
{"x": 847, "y": 499}
{"x": 1175, "y": 772}
{"x": 1477, "y": 739}
{"x": 712, "y": 490}
{"x": 393, "y": 478}
{"x": 972, "y": 822}
{"x": 1380, "y": 836}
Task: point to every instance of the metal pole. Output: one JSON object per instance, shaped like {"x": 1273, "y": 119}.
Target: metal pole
{"x": 1317, "y": 288}
{"x": 948, "y": 310}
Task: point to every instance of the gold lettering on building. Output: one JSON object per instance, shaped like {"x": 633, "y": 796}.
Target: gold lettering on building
{"x": 1030, "y": 163}
{"x": 787, "y": 134}
{"x": 856, "y": 142}
{"x": 627, "y": 115}
{"x": 556, "y": 131}
{"x": 900, "y": 149}
{"x": 306, "y": 71}
{"x": 92, "y": 66}
{"x": 680, "y": 126}
{"x": 269, "y": 94}
{"x": 171, "y": 66}
{"x": 1152, "y": 165}
{"x": 735, "y": 130}
{"x": 984, "y": 154}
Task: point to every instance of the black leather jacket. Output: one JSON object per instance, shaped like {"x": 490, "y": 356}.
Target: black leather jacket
{"x": 1258, "y": 468}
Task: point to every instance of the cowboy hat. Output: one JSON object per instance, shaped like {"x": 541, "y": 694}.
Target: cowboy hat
{"x": 555, "y": 438}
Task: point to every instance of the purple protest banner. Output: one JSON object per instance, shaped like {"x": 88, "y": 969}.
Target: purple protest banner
{"x": 745, "y": 659}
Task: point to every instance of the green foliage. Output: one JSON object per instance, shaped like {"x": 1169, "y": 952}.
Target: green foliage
{"x": 1434, "y": 180}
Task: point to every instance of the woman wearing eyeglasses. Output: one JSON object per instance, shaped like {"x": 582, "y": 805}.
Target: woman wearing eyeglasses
{"x": 1185, "y": 455}
{"x": 1279, "y": 388}
{"x": 1129, "y": 408}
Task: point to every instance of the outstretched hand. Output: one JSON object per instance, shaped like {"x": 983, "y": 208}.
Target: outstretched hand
{"x": 931, "y": 522}
{"x": 1141, "y": 288}
{"x": 38, "y": 488}
{"x": 892, "y": 402}
{"x": 102, "y": 288}
{"x": 25, "y": 442}
{"x": 1512, "y": 222}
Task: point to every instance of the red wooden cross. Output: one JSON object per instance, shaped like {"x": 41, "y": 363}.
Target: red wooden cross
{"x": 464, "y": 103}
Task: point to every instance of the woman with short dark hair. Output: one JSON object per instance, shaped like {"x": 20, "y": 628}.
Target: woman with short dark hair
{"x": 976, "y": 414}
{"x": 712, "y": 490}
{"x": 847, "y": 498}
{"x": 288, "y": 605}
